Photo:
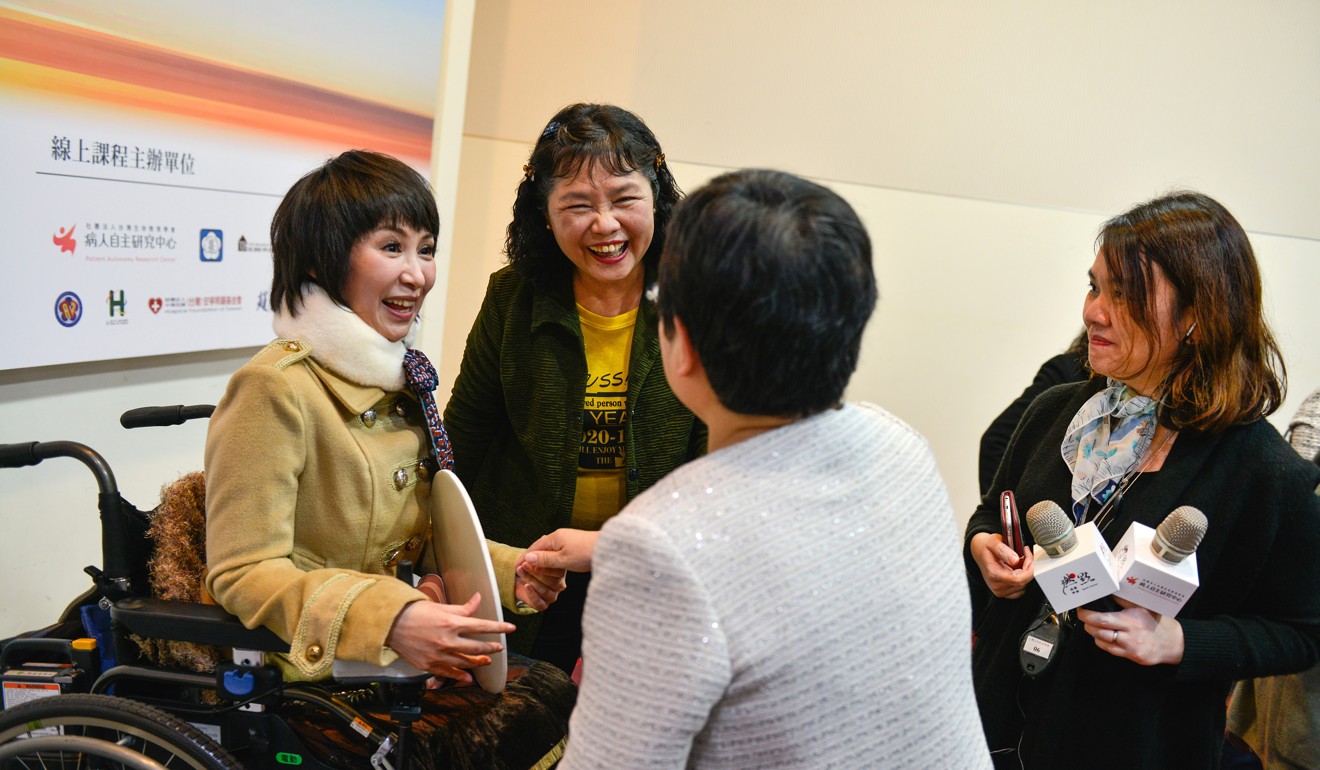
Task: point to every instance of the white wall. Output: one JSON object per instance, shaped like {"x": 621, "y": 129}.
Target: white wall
{"x": 982, "y": 144}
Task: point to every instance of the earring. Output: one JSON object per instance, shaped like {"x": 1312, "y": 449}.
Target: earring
{"x": 1188, "y": 336}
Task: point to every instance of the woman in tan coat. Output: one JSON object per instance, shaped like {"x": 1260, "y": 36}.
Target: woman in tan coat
{"x": 320, "y": 454}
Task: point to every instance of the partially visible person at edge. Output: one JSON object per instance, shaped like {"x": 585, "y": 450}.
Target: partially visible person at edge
{"x": 1278, "y": 718}
{"x": 560, "y": 413}
{"x": 1189, "y": 370}
{"x": 794, "y": 598}
{"x": 319, "y": 460}
{"x": 1068, "y": 366}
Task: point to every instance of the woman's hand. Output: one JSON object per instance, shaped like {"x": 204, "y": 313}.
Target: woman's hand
{"x": 563, "y": 549}
{"x": 1006, "y": 573}
{"x": 434, "y": 637}
{"x": 1135, "y": 633}
{"x": 537, "y": 589}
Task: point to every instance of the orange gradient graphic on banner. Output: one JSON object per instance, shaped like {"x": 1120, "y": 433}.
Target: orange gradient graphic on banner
{"x": 75, "y": 62}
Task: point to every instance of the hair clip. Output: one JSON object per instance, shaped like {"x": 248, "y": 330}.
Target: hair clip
{"x": 529, "y": 173}
{"x": 659, "y": 161}
{"x": 550, "y": 128}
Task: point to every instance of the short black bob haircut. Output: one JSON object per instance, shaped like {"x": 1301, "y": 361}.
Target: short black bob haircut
{"x": 578, "y": 136}
{"x": 771, "y": 275}
{"x": 329, "y": 209}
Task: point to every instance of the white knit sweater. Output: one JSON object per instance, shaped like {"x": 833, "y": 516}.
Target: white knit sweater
{"x": 795, "y": 600}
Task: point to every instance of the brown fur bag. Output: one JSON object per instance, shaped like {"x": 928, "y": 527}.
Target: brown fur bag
{"x": 178, "y": 532}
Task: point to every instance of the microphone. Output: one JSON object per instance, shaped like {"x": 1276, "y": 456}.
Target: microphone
{"x": 1156, "y": 568}
{"x": 1072, "y": 563}
{"x": 1051, "y": 528}
{"x": 1179, "y": 534}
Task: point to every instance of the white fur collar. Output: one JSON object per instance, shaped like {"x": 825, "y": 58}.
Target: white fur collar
{"x": 344, "y": 343}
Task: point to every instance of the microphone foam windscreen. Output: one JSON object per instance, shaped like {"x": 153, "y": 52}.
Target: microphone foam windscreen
{"x": 1049, "y": 525}
{"x": 1180, "y": 533}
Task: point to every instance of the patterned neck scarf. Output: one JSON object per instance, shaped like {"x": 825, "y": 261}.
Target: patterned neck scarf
{"x": 422, "y": 378}
{"x": 1099, "y": 453}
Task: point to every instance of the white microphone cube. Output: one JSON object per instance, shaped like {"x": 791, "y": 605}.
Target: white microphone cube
{"x": 1083, "y": 574}
{"x": 1149, "y": 581}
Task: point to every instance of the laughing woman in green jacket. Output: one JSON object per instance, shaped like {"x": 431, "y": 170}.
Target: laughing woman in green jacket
{"x": 561, "y": 413}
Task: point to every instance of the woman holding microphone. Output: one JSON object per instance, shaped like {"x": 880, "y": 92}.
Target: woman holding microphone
{"x": 1186, "y": 372}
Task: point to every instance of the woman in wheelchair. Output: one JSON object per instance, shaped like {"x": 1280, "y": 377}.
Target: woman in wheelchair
{"x": 319, "y": 459}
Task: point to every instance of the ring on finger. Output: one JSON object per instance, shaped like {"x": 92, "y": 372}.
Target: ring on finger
{"x": 1115, "y": 639}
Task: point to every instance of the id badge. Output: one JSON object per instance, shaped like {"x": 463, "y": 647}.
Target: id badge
{"x": 1039, "y": 646}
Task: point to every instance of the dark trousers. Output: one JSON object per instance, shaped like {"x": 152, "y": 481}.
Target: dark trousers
{"x": 560, "y": 639}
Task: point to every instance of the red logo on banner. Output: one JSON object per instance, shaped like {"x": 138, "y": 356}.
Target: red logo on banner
{"x": 65, "y": 240}
{"x": 155, "y": 304}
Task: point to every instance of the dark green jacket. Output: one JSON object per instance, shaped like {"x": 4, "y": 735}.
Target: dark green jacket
{"x": 515, "y": 415}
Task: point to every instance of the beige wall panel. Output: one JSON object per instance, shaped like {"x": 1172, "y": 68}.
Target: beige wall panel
{"x": 1077, "y": 105}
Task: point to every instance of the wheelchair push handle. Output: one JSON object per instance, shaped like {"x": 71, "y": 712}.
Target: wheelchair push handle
{"x": 19, "y": 455}
{"x": 160, "y": 416}
{"x": 33, "y": 452}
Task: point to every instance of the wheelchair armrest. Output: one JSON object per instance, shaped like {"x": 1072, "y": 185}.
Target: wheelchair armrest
{"x": 190, "y": 622}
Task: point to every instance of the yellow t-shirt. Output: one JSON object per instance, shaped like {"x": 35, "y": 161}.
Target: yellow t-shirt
{"x": 601, "y": 487}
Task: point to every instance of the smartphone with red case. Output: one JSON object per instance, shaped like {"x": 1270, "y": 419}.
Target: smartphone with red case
{"x": 1012, "y": 525}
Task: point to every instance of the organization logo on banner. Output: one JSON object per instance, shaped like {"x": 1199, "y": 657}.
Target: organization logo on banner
{"x": 117, "y": 307}
{"x": 245, "y": 245}
{"x": 221, "y": 303}
{"x": 125, "y": 242}
{"x": 65, "y": 240}
{"x": 68, "y": 309}
{"x": 212, "y": 247}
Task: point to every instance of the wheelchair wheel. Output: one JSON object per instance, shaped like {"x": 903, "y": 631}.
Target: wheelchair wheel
{"x": 91, "y": 752}
{"x": 145, "y": 730}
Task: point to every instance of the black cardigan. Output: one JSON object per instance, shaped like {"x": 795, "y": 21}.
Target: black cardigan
{"x": 1256, "y": 613}
{"x": 1060, "y": 369}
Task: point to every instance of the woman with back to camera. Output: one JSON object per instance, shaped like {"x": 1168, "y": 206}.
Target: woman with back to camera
{"x": 319, "y": 462}
{"x": 1188, "y": 369}
{"x": 560, "y": 413}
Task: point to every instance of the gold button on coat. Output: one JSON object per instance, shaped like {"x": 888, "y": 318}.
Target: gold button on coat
{"x": 313, "y": 653}
{"x": 400, "y": 479}
{"x": 292, "y": 347}
{"x": 369, "y": 417}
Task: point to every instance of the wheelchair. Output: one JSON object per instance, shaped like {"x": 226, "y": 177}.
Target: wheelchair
{"x": 93, "y": 701}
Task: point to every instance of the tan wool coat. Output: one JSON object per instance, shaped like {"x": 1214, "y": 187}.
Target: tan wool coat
{"x": 316, "y": 486}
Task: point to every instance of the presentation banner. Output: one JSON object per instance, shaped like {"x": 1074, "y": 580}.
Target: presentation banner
{"x": 147, "y": 144}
